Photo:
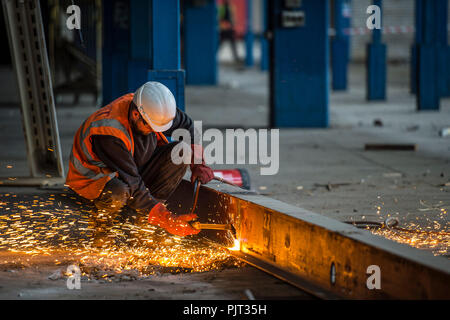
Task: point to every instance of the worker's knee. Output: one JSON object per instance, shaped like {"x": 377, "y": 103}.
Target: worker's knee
{"x": 169, "y": 176}
{"x": 114, "y": 196}
{"x": 171, "y": 182}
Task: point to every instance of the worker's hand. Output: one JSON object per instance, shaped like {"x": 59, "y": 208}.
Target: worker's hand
{"x": 177, "y": 225}
{"x": 201, "y": 172}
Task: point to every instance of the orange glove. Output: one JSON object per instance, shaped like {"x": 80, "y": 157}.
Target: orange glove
{"x": 199, "y": 168}
{"x": 177, "y": 225}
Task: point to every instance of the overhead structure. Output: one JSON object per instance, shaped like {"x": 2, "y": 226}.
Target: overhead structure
{"x": 299, "y": 69}
{"x": 30, "y": 60}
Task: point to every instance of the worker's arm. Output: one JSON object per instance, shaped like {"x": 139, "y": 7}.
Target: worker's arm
{"x": 200, "y": 170}
{"x": 113, "y": 153}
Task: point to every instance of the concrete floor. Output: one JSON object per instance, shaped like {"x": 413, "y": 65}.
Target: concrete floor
{"x": 39, "y": 283}
{"x": 364, "y": 185}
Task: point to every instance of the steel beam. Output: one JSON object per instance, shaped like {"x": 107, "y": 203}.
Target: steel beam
{"x": 29, "y": 55}
{"x": 320, "y": 255}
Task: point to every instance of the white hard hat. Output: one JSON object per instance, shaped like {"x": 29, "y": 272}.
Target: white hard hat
{"x": 156, "y": 104}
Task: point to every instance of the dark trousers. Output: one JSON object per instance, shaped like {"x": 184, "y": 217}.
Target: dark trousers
{"x": 161, "y": 176}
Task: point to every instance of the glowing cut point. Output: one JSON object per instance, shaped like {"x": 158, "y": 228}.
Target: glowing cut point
{"x": 237, "y": 246}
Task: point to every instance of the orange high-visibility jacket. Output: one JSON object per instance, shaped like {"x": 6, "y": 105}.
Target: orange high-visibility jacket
{"x": 87, "y": 174}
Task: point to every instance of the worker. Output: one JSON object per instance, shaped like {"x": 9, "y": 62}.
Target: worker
{"x": 121, "y": 157}
{"x": 227, "y": 30}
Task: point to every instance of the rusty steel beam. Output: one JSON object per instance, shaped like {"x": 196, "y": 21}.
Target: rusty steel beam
{"x": 319, "y": 255}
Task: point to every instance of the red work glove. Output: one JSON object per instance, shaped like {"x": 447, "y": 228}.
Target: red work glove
{"x": 202, "y": 173}
{"x": 199, "y": 168}
{"x": 177, "y": 225}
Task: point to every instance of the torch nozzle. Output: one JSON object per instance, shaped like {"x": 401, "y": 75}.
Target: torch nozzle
{"x": 213, "y": 226}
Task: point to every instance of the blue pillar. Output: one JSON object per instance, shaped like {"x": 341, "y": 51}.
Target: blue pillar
{"x": 141, "y": 43}
{"x": 264, "y": 64}
{"x": 200, "y": 41}
{"x": 299, "y": 64}
{"x": 340, "y": 46}
{"x": 442, "y": 48}
{"x": 376, "y": 63}
{"x": 443, "y": 51}
{"x": 429, "y": 53}
{"x": 249, "y": 35}
{"x": 155, "y": 46}
{"x": 116, "y": 31}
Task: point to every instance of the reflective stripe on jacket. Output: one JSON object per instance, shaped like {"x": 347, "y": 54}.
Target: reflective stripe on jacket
{"x": 87, "y": 174}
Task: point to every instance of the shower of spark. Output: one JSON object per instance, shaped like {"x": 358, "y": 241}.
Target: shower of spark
{"x": 425, "y": 233}
{"x": 45, "y": 226}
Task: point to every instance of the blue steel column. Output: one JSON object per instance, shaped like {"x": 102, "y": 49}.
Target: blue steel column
{"x": 264, "y": 64}
{"x": 115, "y": 49}
{"x": 299, "y": 67}
{"x": 340, "y": 46}
{"x": 200, "y": 41}
{"x": 141, "y": 43}
{"x": 140, "y": 46}
{"x": 165, "y": 47}
{"x": 443, "y": 51}
{"x": 376, "y": 63}
{"x": 249, "y": 35}
{"x": 428, "y": 76}
{"x": 442, "y": 48}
